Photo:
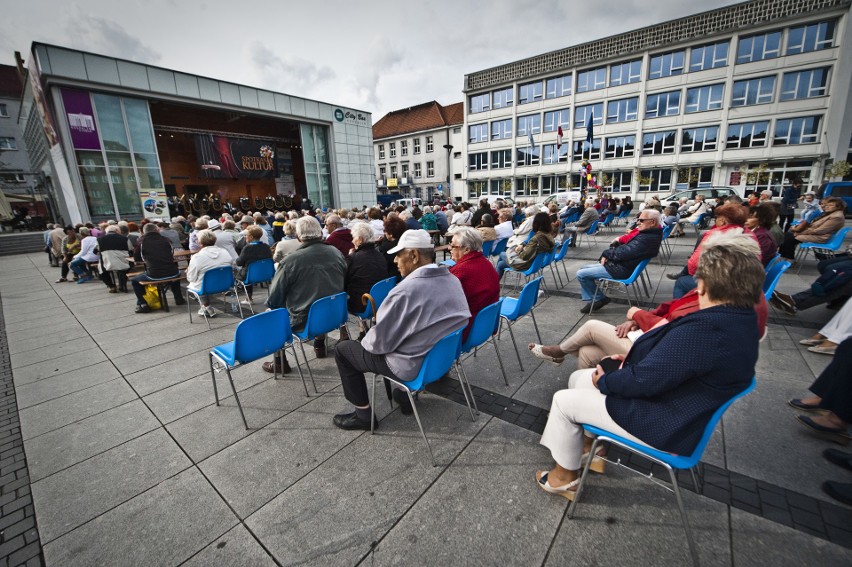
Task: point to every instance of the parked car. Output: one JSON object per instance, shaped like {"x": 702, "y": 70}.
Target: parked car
{"x": 842, "y": 189}
{"x": 409, "y": 203}
{"x": 563, "y": 197}
{"x": 710, "y": 194}
{"x": 508, "y": 200}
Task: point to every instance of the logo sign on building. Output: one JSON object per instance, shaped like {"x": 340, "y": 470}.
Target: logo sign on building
{"x": 350, "y": 116}
{"x": 236, "y": 158}
{"x": 392, "y": 182}
{"x": 81, "y": 120}
{"x": 736, "y": 178}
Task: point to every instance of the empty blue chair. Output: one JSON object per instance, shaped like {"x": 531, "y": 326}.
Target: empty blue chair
{"x": 487, "y": 247}
{"x": 254, "y": 338}
{"x": 437, "y": 363}
{"x": 378, "y": 293}
{"x": 215, "y": 280}
{"x": 773, "y": 276}
{"x": 829, "y": 248}
{"x": 484, "y": 328}
{"x": 258, "y": 272}
{"x": 638, "y": 273}
{"x": 667, "y": 460}
{"x": 514, "y": 309}
{"x": 325, "y": 315}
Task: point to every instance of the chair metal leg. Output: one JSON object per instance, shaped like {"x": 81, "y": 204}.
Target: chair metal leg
{"x": 462, "y": 382}
{"x": 692, "y": 549}
{"x": 420, "y": 425}
{"x": 535, "y": 324}
{"x": 237, "y": 299}
{"x": 236, "y": 397}
{"x": 470, "y": 390}
{"x": 310, "y": 372}
{"x": 500, "y": 360}
{"x": 515, "y": 344}
{"x": 298, "y": 367}
{"x": 373, "y": 407}
{"x": 584, "y": 475}
{"x": 698, "y": 488}
{"x": 213, "y": 376}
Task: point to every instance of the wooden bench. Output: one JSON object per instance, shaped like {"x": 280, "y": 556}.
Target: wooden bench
{"x": 161, "y": 289}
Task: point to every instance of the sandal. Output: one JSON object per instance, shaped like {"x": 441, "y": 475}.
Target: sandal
{"x": 537, "y": 352}
{"x": 568, "y": 491}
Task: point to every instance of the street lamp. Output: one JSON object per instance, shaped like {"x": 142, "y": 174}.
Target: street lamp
{"x": 449, "y": 148}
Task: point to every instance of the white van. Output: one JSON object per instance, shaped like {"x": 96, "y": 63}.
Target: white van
{"x": 563, "y": 197}
{"x": 409, "y": 203}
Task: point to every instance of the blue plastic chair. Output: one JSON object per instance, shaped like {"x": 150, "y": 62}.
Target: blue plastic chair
{"x": 608, "y": 221}
{"x": 484, "y": 328}
{"x": 325, "y": 315}
{"x": 437, "y": 363}
{"x": 559, "y": 259}
{"x": 667, "y": 460}
{"x": 829, "y": 248}
{"x": 378, "y": 293}
{"x": 665, "y": 247}
{"x": 214, "y": 281}
{"x": 487, "y": 247}
{"x": 514, "y": 309}
{"x": 622, "y": 215}
{"x": 590, "y": 233}
{"x": 775, "y": 259}
{"x": 697, "y": 224}
{"x": 638, "y": 274}
{"x": 499, "y": 246}
{"x": 258, "y": 272}
{"x": 534, "y": 268}
{"x": 773, "y": 276}
{"x": 254, "y": 338}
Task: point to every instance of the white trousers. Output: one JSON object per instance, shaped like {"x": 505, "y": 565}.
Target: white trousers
{"x": 839, "y": 328}
{"x": 580, "y": 404}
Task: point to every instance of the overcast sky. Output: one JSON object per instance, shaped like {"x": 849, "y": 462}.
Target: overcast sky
{"x": 376, "y": 56}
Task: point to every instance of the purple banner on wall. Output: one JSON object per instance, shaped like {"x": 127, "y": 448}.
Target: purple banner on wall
{"x": 81, "y": 120}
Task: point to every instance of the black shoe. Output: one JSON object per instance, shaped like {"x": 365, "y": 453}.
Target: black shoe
{"x": 143, "y": 308}
{"x": 587, "y": 308}
{"x": 839, "y": 458}
{"x": 401, "y": 398}
{"x": 361, "y": 335}
{"x": 350, "y": 421}
{"x": 841, "y": 491}
{"x": 319, "y": 348}
{"x": 180, "y": 301}
{"x": 673, "y": 276}
{"x": 783, "y": 302}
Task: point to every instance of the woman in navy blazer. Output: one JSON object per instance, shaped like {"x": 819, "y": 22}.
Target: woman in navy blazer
{"x": 674, "y": 378}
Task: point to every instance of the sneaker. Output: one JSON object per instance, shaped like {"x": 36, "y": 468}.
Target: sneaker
{"x": 202, "y": 312}
{"x": 143, "y": 308}
{"x": 84, "y": 279}
{"x": 673, "y": 276}
{"x": 210, "y": 311}
{"x": 245, "y": 302}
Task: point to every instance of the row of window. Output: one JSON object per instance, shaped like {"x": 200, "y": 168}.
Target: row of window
{"x": 4, "y": 110}
{"x": 767, "y": 45}
{"x": 418, "y": 170}
{"x": 795, "y": 85}
{"x": 403, "y": 147}
{"x": 7, "y": 143}
{"x": 788, "y": 131}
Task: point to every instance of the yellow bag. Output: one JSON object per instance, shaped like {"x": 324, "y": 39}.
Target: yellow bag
{"x": 152, "y": 298}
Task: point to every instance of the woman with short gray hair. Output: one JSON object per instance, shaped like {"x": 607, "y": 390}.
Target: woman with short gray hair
{"x": 209, "y": 256}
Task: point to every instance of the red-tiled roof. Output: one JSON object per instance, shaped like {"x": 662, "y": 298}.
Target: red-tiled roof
{"x": 425, "y": 116}
{"x": 10, "y": 82}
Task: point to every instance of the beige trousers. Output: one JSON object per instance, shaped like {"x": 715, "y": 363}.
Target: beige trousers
{"x": 592, "y": 342}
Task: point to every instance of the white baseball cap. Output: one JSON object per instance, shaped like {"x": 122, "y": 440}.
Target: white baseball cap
{"x": 413, "y": 239}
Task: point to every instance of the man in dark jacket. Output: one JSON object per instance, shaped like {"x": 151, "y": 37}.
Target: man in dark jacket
{"x": 619, "y": 263}
{"x": 156, "y": 251}
{"x": 338, "y": 236}
{"x": 484, "y": 209}
{"x": 253, "y": 251}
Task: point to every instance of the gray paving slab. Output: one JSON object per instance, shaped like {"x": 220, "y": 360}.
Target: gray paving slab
{"x": 83, "y": 439}
{"x": 500, "y": 517}
{"x": 167, "y": 374}
{"x": 175, "y": 350}
{"x": 759, "y": 542}
{"x": 254, "y": 470}
{"x": 126, "y": 319}
{"x": 47, "y": 416}
{"x": 41, "y": 319}
{"x": 31, "y": 304}
{"x": 43, "y": 337}
{"x": 163, "y": 526}
{"x": 363, "y": 489}
{"x": 58, "y": 365}
{"x": 127, "y": 340}
{"x": 40, "y": 353}
{"x": 47, "y": 389}
{"x": 237, "y": 547}
{"x": 70, "y": 498}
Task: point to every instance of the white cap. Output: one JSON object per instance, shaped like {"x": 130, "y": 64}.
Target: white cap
{"x": 213, "y": 224}
{"x": 413, "y": 239}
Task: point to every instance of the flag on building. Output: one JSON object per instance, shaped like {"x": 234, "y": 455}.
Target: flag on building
{"x": 532, "y": 142}
{"x": 559, "y": 138}
{"x": 590, "y": 127}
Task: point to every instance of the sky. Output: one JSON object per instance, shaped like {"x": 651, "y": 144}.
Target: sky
{"x": 376, "y": 56}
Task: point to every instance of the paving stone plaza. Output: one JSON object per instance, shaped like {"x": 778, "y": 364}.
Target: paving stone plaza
{"x": 130, "y": 462}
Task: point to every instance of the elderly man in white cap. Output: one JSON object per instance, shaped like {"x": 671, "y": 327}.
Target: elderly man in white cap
{"x": 399, "y": 341}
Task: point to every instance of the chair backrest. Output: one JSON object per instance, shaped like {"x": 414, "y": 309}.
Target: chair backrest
{"x": 700, "y": 219}
{"x": 217, "y": 280}
{"x": 499, "y": 246}
{"x": 609, "y": 218}
{"x": 484, "y": 325}
{"x": 260, "y": 271}
{"x": 594, "y": 228}
{"x": 261, "y": 335}
{"x": 773, "y": 276}
{"x": 563, "y": 250}
{"x": 326, "y": 314}
{"x": 638, "y": 270}
{"x": 438, "y": 361}
{"x": 528, "y": 297}
{"x": 487, "y": 247}
{"x": 837, "y": 239}
{"x": 667, "y": 230}
{"x": 772, "y": 262}
{"x": 378, "y": 292}
{"x": 537, "y": 263}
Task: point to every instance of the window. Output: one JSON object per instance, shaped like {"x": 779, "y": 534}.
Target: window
{"x": 416, "y": 146}
{"x": 620, "y": 146}
{"x": 622, "y": 110}
{"x": 501, "y": 129}
{"x": 812, "y": 37}
{"x": 696, "y": 177}
{"x": 658, "y": 143}
{"x": 8, "y": 143}
{"x": 759, "y": 47}
{"x": 701, "y": 99}
{"x": 430, "y": 169}
{"x": 804, "y": 84}
{"x": 4, "y": 110}
{"x": 558, "y": 86}
{"x": 479, "y": 103}
{"x": 418, "y": 171}
{"x": 405, "y": 170}
{"x": 708, "y": 56}
{"x": 556, "y": 118}
{"x": 658, "y": 180}
{"x": 591, "y": 79}
{"x": 477, "y": 133}
{"x": 527, "y": 155}
{"x": 381, "y": 151}
{"x": 530, "y": 92}
{"x": 392, "y": 149}
{"x": 457, "y": 130}
{"x": 501, "y": 159}
{"x": 583, "y": 113}
{"x": 552, "y": 154}
{"x": 747, "y": 135}
{"x": 526, "y": 187}
{"x": 753, "y": 91}
{"x": 801, "y": 130}
{"x": 530, "y": 123}
{"x": 478, "y": 161}
{"x": 393, "y": 171}
{"x": 666, "y": 65}
{"x": 617, "y": 180}
{"x": 582, "y": 151}
{"x": 403, "y": 147}
{"x": 663, "y": 104}
{"x": 625, "y": 73}
{"x": 430, "y": 144}
{"x": 699, "y": 139}
{"x": 383, "y": 172}
{"x": 503, "y": 98}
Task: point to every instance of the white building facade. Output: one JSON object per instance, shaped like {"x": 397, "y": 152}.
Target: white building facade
{"x": 743, "y": 96}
